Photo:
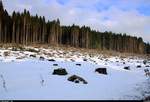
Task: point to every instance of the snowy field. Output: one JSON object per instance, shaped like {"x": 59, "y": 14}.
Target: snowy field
{"x": 27, "y": 74}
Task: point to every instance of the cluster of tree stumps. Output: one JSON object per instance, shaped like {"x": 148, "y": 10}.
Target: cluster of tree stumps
{"x": 75, "y": 78}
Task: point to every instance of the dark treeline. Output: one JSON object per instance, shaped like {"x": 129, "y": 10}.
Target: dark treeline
{"x": 22, "y": 28}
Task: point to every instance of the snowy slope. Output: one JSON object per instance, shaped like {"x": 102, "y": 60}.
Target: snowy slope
{"x": 23, "y": 76}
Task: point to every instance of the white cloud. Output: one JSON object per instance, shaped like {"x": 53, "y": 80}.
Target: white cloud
{"x": 130, "y": 22}
{"x": 22, "y": 6}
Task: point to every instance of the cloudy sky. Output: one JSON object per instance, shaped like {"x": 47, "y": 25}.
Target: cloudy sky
{"x": 125, "y": 16}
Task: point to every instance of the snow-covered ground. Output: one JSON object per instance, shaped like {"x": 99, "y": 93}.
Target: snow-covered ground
{"x": 21, "y": 73}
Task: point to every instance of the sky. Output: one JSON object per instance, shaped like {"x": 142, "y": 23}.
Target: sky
{"x": 119, "y": 16}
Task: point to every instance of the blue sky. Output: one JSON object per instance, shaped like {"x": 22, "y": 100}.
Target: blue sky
{"x": 120, "y": 16}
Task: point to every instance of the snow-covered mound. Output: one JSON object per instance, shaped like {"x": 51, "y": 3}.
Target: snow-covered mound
{"x": 28, "y": 74}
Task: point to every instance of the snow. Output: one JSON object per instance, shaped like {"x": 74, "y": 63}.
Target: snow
{"x": 23, "y": 76}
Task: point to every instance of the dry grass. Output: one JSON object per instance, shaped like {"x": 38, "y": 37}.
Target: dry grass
{"x": 84, "y": 51}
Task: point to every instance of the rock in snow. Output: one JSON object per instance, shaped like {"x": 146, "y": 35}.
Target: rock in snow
{"x": 138, "y": 66}
{"x": 60, "y": 71}
{"x": 55, "y": 64}
{"x": 78, "y": 64}
{"x": 101, "y": 70}
{"x": 51, "y": 60}
{"x": 127, "y": 68}
{"x": 41, "y": 58}
{"x": 77, "y": 79}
